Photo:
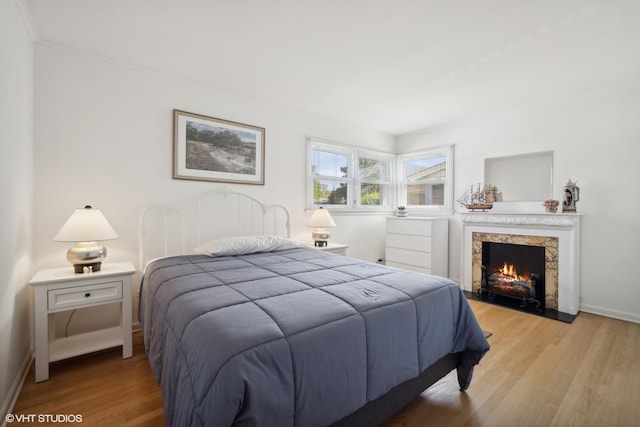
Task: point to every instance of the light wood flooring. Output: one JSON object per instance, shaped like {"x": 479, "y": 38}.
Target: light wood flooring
{"x": 539, "y": 372}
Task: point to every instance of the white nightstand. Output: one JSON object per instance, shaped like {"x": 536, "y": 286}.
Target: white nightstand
{"x": 60, "y": 289}
{"x": 334, "y": 248}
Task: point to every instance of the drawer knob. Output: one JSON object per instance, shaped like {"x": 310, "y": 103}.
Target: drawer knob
{"x": 87, "y": 295}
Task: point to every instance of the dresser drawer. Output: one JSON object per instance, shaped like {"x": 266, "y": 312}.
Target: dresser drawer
{"x": 404, "y": 256}
{"x": 64, "y": 298}
{"x": 409, "y": 267}
{"x": 407, "y": 241}
{"x": 418, "y": 227}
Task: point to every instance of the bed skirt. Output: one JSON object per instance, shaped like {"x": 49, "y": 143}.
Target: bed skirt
{"x": 382, "y": 408}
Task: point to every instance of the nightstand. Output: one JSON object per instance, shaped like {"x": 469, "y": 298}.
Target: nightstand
{"x": 334, "y": 248}
{"x": 60, "y": 289}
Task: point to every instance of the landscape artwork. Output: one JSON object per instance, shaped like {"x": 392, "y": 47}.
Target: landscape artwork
{"x": 212, "y": 149}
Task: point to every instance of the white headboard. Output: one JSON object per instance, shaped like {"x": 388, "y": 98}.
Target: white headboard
{"x": 177, "y": 228}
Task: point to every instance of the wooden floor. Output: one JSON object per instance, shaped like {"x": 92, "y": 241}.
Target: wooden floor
{"x": 104, "y": 388}
{"x": 539, "y": 372}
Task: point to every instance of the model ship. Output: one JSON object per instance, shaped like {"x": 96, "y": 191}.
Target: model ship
{"x": 480, "y": 197}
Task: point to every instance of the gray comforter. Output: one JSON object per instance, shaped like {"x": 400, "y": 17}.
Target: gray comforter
{"x": 296, "y": 337}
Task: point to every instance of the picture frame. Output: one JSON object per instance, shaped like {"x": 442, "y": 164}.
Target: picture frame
{"x": 212, "y": 149}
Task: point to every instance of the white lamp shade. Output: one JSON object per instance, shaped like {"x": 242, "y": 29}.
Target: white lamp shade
{"x": 321, "y": 218}
{"x": 86, "y": 225}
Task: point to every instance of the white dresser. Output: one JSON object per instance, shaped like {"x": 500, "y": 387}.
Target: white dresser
{"x": 418, "y": 244}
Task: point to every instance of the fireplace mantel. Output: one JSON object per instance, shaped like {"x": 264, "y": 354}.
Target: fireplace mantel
{"x": 564, "y": 226}
{"x": 520, "y": 220}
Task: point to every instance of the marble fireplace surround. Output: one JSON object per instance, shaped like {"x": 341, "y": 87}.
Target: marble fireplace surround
{"x": 539, "y": 229}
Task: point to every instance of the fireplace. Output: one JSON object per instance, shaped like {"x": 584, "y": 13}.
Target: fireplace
{"x": 558, "y": 235}
{"x": 529, "y": 254}
{"x": 513, "y": 272}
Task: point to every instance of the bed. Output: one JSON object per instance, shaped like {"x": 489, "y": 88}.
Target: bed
{"x": 243, "y": 326}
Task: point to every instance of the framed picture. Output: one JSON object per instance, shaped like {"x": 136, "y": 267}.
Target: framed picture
{"x": 211, "y": 149}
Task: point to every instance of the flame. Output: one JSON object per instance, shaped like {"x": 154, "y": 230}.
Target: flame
{"x": 507, "y": 280}
{"x": 509, "y": 270}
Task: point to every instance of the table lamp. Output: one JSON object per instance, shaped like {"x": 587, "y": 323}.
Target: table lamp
{"x": 86, "y": 227}
{"x": 320, "y": 219}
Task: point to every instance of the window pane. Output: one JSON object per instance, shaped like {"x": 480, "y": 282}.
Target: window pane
{"x": 425, "y": 194}
{"x": 427, "y": 168}
{"x": 326, "y": 192}
{"x": 373, "y": 169}
{"x": 349, "y": 177}
{"x": 329, "y": 164}
{"x": 371, "y": 194}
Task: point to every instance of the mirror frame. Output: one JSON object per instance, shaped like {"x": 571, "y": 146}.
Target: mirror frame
{"x": 506, "y": 173}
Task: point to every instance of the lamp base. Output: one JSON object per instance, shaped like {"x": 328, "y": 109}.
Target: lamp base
{"x": 320, "y": 236}
{"x": 93, "y": 267}
{"x": 86, "y": 254}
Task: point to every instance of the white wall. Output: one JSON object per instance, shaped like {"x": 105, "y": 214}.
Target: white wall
{"x": 596, "y": 142}
{"x": 103, "y": 136}
{"x": 16, "y": 195}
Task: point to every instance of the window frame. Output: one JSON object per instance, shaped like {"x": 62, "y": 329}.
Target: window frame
{"x": 402, "y": 183}
{"x": 353, "y": 178}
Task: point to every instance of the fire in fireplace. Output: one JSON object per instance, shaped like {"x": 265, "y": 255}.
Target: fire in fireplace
{"x": 511, "y": 271}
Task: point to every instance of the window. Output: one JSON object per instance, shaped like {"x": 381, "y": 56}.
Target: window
{"x": 346, "y": 177}
{"x": 425, "y": 178}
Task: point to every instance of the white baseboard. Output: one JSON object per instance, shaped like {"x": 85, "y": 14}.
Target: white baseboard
{"x": 16, "y": 387}
{"x": 606, "y": 312}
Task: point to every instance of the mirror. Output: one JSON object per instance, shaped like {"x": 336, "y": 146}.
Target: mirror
{"x": 524, "y": 177}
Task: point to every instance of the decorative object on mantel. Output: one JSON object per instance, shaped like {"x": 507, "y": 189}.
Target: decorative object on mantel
{"x": 480, "y": 197}
{"x": 551, "y": 205}
{"x": 570, "y": 197}
{"x": 402, "y": 211}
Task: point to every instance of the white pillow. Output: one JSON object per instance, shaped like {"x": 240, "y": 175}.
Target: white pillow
{"x": 245, "y": 245}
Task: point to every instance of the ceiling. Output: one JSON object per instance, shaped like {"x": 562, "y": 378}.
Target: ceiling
{"x": 393, "y": 66}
